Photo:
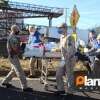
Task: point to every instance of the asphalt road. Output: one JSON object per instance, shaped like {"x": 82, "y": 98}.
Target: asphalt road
{"x": 39, "y": 92}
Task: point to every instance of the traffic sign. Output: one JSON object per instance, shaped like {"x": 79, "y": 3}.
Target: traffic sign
{"x": 74, "y": 17}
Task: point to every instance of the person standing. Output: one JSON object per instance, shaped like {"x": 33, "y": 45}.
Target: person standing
{"x": 13, "y": 47}
{"x": 92, "y": 38}
{"x": 67, "y": 46}
{"x": 61, "y": 71}
{"x": 70, "y": 62}
{"x": 92, "y": 43}
{"x": 34, "y": 37}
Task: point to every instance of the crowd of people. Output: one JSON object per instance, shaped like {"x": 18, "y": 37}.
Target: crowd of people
{"x": 70, "y": 52}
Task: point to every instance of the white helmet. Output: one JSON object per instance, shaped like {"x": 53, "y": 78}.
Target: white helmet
{"x": 82, "y": 43}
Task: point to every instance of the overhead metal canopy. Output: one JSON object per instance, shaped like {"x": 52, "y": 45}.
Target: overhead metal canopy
{"x": 24, "y": 10}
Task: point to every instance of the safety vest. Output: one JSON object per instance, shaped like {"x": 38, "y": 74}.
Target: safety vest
{"x": 74, "y": 36}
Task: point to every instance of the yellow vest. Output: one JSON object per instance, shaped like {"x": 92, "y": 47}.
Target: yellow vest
{"x": 74, "y": 36}
{"x": 81, "y": 49}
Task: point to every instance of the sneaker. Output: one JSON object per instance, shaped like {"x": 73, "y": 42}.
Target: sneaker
{"x": 7, "y": 85}
{"x": 28, "y": 90}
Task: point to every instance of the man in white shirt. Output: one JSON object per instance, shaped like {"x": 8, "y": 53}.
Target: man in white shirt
{"x": 34, "y": 37}
{"x": 62, "y": 68}
{"x": 67, "y": 47}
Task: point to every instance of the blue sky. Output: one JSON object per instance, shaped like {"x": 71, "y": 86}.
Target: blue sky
{"x": 89, "y": 12}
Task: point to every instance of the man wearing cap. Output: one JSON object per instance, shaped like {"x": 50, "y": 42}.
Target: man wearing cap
{"x": 13, "y": 47}
{"x": 62, "y": 29}
{"x": 67, "y": 50}
{"x": 97, "y": 59}
{"x": 34, "y": 37}
{"x": 92, "y": 38}
{"x": 94, "y": 55}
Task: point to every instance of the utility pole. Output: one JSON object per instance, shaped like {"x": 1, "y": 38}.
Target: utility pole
{"x": 66, "y": 14}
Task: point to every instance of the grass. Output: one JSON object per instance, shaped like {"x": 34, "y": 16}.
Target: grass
{"x": 5, "y": 67}
{"x": 5, "y": 64}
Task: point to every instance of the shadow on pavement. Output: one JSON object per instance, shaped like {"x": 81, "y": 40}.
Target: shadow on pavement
{"x": 9, "y": 94}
